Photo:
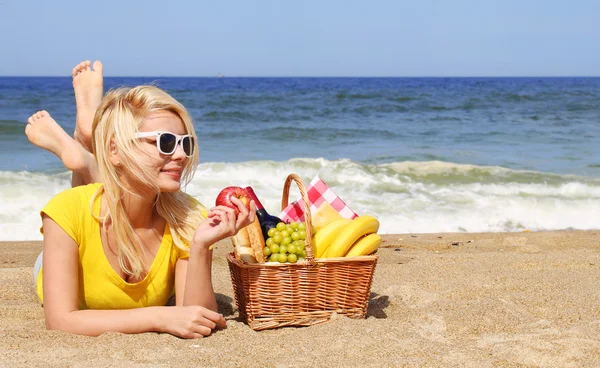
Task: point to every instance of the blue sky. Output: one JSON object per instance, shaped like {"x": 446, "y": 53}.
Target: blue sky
{"x": 303, "y": 38}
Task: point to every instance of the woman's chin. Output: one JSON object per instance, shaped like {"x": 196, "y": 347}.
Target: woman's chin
{"x": 170, "y": 187}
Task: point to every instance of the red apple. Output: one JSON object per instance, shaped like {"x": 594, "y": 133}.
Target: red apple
{"x": 224, "y": 198}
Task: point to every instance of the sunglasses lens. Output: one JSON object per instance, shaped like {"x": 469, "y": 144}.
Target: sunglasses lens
{"x": 188, "y": 145}
{"x": 167, "y": 143}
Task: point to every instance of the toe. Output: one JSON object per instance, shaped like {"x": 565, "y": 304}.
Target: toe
{"x": 98, "y": 66}
{"x": 81, "y": 67}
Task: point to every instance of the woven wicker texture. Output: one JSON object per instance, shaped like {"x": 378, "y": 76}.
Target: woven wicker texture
{"x": 301, "y": 294}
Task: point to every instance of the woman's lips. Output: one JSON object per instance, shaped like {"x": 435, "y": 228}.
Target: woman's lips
{"x": 176, "y": 173}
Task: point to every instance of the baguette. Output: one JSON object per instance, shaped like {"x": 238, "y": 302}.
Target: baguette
{"x": 248, "y": 244}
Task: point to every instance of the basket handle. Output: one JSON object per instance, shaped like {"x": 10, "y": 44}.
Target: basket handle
{"x": 307, "y": 217}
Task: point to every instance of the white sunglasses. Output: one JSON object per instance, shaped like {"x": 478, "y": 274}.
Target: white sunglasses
{"x": 167, "y": 142}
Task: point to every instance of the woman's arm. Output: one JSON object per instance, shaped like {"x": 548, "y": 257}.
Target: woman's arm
{"x": 194, "y": 275}
{"x": 61, "y": 285}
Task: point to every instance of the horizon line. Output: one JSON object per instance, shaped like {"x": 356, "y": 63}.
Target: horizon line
{"x": 220, "y": 76}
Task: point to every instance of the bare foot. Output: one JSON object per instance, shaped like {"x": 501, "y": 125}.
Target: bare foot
{"x": 43, "y": 131}
{"x": 88, "y": 86}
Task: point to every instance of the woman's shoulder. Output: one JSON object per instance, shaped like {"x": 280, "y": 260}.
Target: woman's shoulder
{"x": 67, "y": 208}
{"x": 82, "y": 193}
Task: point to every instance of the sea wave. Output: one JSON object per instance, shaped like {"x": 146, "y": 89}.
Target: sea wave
{"x": 407, "y": 197}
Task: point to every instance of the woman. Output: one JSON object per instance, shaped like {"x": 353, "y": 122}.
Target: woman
{"x": 115, "y": 252}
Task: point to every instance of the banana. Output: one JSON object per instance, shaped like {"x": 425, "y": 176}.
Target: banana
{"x": 365, "y": 245}
{"x": 324, "y": 237}
{"x": 362, "y": 225}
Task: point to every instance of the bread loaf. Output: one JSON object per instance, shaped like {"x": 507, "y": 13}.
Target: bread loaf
{"x": 248, "y": 244}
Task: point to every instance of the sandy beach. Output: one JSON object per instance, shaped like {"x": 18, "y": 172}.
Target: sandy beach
{"x": 528, "y": 299}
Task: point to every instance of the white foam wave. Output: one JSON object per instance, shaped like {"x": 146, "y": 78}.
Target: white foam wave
{"x": 404, "y": 201}
{"x": 22, "y": 196}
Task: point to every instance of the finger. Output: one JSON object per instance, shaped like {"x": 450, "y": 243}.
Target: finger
{"x": 220, "y": 213}
{"x": 226, "y": 219}
{"x": 202, "y": 330}
{"x": 228, "y": 213}
{"x": 242, "y": 221}
{"x": 231, "y": 222}
{"x": 193, "y": 335}
{"x": 219, "y": 210}
{"x": 224, "y": 208}
{"x": 240, "y": 205}
{"x": 215, "y": 317}
{"x": 222, "y": 323}
{"x": 248, "y": 218}
{"x": 252, "y": 214}
{"x": 206, "y": 322}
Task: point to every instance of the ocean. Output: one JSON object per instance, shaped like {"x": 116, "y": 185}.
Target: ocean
{"x": 420, "y": 154}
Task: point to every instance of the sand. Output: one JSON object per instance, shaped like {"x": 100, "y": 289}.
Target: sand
{"x": 489, "y": 300}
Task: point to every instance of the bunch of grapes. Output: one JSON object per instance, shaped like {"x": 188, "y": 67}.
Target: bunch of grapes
{"x": 286, "y": 243}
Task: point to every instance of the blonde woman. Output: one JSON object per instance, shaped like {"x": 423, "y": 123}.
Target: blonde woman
{"x": 116, "y": 251}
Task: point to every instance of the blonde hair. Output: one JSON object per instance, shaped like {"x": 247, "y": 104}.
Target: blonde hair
{"x": 116, "y": 121}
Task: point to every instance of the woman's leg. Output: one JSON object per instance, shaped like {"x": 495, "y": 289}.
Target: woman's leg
{"x": 88, "y": 85}
{"x": 43, "y": 131}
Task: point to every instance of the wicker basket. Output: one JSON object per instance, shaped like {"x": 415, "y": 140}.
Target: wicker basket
{"x": 271, "y": 295}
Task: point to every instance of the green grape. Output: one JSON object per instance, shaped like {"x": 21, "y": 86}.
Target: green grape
{"x": 267, "y": 251}
{"x": 271, "y": 232}
{"x": 292, "y": 258}
{"x": 289, "y": 229}
{"x": 284, "y": 233}
{"x": 277, "y": 239}
{"x": 281, "y": 226}
{"x": 282, "y": 257}
{"x": 299, "y": 243}
{"x": 302, "y": 226}
{"x": 295, "y": 235}
{"x": 302, "y": 234}
{"x": 300, "y": 259}
{"x": 287, "y": 240}
{"x": 283, "y": 249}
{"x": 274, "y": 257}
{"x": 269, "y": 242}
{"x": 292, "y": 249}
{"x": 274, "y": 248}
{"x": 302, "y": 253}
{"x": 294, "y": 224}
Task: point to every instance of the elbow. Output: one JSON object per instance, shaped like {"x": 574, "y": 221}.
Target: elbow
{"x": 65, "y": 323}
{"x": 55, "y": 323}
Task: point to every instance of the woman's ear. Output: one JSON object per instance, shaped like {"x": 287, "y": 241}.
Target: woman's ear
{"x": 113, "y": 154}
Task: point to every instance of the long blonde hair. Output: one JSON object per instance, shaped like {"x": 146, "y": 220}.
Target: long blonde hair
{"x": 116, "y": 121}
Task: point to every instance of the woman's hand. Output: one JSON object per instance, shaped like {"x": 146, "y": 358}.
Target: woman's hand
{"x": 191, "y": 322}
{"x": 222, "y": 222}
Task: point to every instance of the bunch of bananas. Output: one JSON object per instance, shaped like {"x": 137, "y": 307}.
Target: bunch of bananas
{"x": 347, "y": 238}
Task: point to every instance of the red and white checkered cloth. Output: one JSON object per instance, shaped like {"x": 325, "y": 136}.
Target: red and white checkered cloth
{"x": 318, "y": 192}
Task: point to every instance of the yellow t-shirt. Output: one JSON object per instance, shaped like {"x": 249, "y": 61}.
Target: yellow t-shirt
{"x": 100, "y": 287}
